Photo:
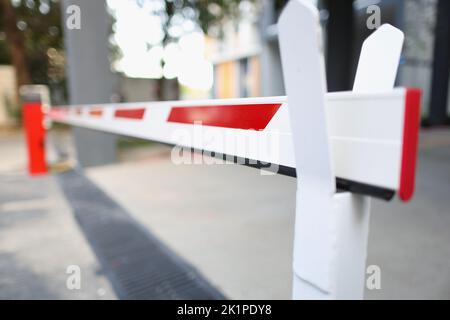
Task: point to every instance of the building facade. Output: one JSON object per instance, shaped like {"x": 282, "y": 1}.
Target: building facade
{"x": 247, "y": 61}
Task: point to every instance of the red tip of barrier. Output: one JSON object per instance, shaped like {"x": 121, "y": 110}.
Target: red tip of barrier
{"x": 410, "y": 144}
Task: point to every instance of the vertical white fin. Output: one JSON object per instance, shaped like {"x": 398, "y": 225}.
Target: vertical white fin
{"x": 300, "y": 40}
{"x": 377, "y": 70}
{"x": 305, "y": 81}
{"x": 379, "y": 60}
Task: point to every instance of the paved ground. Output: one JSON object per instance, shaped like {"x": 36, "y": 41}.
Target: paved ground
{"x": 412, "y": 242}
{"x": 236, "y": 225}
{"x": 13, "y": 157}
{"x": 231, "y": 223}
{"x": 39, "y": 240}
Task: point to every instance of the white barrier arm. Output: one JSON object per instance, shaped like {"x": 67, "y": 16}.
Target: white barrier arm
{"x": 367, "y": 154}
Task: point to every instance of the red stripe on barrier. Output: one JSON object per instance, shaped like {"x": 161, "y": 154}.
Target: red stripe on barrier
{"x": 137, "y": 114}
{"x": 250, "y": 116}
{"x": 96, "y": 112}
{"x": 410, "y": 144}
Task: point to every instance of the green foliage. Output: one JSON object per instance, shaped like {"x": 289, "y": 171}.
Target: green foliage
{"x": 42, "y": 32}
{"x": 4, "y": 54}
{"x": 40, "y": 22}
{"x": 208, "y": 15}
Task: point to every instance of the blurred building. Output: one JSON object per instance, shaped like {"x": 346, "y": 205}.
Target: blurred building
{"x": 237, "y": 57}
{"x": 247, "y": 60}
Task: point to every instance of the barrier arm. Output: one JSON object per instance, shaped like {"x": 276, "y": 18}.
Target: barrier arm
{"x": 344, "y": 147}
{"x": 370, "y": 167}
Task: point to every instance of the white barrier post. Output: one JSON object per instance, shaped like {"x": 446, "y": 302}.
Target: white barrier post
{"x": 331, "y": 229}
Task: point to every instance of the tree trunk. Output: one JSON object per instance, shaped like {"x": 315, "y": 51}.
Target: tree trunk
{"x": 16, "y": 43}
{"x": 168, "y": 89}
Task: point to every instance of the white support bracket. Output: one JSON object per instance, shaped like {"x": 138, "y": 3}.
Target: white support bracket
{"x": 331, "y": 228}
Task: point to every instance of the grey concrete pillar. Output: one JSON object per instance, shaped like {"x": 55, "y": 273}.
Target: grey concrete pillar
{"x": 272, "y": 82}
{"x": 90, "y": 79}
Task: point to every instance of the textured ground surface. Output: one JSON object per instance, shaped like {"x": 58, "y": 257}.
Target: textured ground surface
{"x": 229, "y": 222}
{"x": 39, "y": 240}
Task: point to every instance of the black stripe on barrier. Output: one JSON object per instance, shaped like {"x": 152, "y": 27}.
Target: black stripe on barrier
{"x": 138, "y": 265}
